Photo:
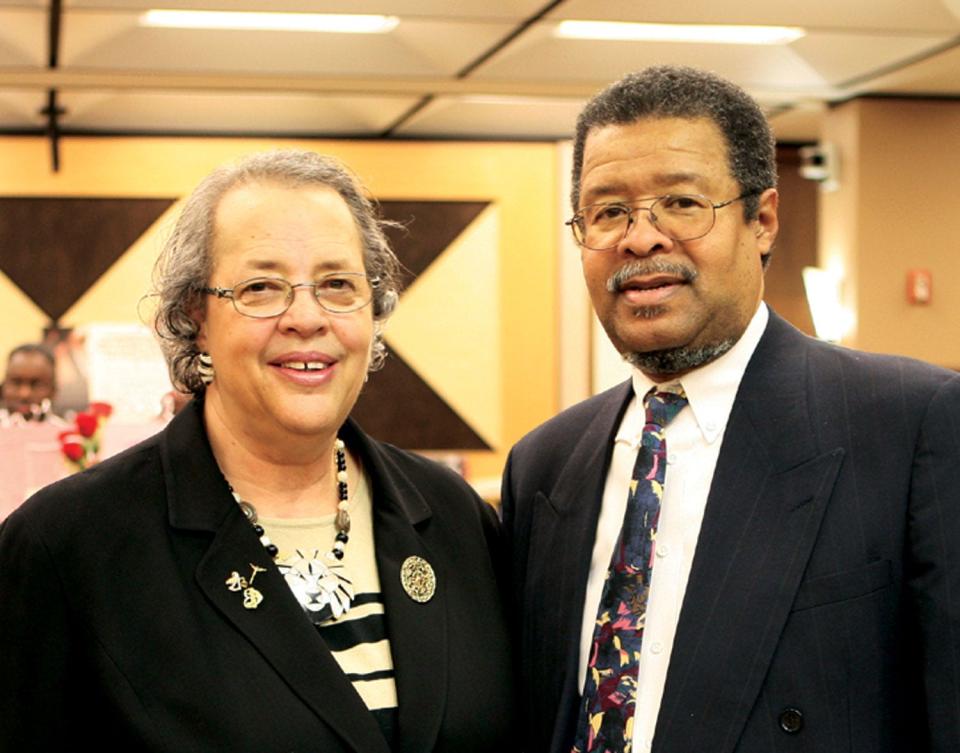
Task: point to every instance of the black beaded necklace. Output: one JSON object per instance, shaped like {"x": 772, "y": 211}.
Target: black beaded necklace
{"x": 324, "y": 590}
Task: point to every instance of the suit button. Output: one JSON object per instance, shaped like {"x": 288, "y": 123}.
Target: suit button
{"x": 791, "y": 720}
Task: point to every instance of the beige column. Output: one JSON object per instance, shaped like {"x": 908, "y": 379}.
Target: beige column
{"x": 895, "y": 208}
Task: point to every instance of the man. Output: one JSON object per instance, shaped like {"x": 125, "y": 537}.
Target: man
{"x": 790, "y": 581}
{"x": 29, "y": 385}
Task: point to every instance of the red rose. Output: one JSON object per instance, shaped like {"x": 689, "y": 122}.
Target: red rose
{"x": 73, "y": 450}
{"x": 101, "y": 410}
{"x": 87, "y": 424}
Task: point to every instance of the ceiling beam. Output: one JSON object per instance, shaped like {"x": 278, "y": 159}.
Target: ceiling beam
{"x": 88, "y": 79}
{"x": 53, "y": 33}
{"x": 53, "y": 111}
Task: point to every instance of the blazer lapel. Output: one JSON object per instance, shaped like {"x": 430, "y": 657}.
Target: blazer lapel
{"x": 586, "y": 468}
{"x": 417, "y": 630}
{"x": 566, "y": 520}
{"x": 199, "y": 500}
{"x": 560, "y": 548}
{"x": 763, "y": 513}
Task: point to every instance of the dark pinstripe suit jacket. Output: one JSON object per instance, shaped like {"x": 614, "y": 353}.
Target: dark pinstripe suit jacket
{"x": 826, "y": 579}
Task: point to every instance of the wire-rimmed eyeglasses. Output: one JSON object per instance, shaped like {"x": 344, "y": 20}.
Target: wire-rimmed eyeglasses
{"x": 682, "y": 217}
{"x": 266, "y": 297}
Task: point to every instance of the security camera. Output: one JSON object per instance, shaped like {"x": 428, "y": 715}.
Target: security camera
{"x": 819, "y": 162}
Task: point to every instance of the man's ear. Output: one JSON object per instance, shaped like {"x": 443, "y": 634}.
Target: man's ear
{"x": 766, "y": 225}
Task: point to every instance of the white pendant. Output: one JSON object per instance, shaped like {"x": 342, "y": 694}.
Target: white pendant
{"x": 324, "y": 590}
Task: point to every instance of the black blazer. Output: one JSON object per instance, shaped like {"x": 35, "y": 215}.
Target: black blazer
{"x": 823, "y": 607}
{"x": 117, "y": 629}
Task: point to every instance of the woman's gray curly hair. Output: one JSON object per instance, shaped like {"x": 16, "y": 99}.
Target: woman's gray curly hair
{"x": 186, "y": 262}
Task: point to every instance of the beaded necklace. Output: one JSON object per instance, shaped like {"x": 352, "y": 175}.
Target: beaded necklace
{"x": 320, "y": 583}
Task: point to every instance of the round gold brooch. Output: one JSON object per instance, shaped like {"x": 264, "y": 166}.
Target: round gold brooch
{"x": 418, "y": 579}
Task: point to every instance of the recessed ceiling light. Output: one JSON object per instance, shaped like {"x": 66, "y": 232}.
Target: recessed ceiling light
{"x": 255, "y": 21}
{"x": 702, "y": 33}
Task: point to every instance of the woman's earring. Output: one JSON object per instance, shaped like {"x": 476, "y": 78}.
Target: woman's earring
{"x": 205, "y": 368}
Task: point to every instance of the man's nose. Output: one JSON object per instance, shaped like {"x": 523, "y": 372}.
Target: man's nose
{"x": 643, "y": 236}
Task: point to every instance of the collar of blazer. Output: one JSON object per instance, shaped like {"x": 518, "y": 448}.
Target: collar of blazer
{"x": 587, "y": 465}
{"x": 772, "y": 397}
{"x": 277, "y": 628}
{"x": 190, "y": 472}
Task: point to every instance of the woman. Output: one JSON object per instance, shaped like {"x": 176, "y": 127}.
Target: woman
{"x": 262, "y": 575}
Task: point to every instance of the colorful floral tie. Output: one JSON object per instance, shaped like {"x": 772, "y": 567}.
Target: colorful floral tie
{"x": 610, "y": 690}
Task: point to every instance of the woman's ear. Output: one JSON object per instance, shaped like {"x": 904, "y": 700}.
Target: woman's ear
{"x": 199, "y": 318}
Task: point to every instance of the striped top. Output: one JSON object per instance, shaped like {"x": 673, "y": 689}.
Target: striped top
{"x": 358, "y": 639}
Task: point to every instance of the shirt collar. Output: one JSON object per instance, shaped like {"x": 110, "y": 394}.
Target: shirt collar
{"x": 710, "y": 389}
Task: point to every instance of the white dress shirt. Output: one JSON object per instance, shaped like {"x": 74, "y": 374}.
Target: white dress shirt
{"x": 693, "y": 441}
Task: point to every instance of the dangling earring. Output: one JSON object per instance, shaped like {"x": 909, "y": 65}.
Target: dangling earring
{"x": 205, "y": 368}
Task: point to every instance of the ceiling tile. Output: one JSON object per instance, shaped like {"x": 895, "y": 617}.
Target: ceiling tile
{"x": 894, "y": 15}
{"x": 23, "y": 37}
{"x": 550, "y": 58}
{"x": 838, "y": 58}
{"x": 449, "y": 47}
{"x": 114, "y": 40}
{"x": 21, "y": 109}
{"x": 231, "y": 113}
{"x": 938, "y": 75}
{"x": 495, "y": 117}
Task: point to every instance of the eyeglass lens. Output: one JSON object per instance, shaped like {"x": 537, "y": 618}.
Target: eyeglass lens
{"x": 271, "y": 296}
{"x": 681, "y": 217}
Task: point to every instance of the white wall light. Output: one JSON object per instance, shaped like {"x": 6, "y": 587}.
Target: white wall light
{"x": 831, "y": 320}
{"x": 695, "y": 33}
{"x": 256, "y": 21}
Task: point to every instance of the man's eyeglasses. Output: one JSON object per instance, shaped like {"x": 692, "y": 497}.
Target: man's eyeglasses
{"x": 682, "y": 217}
{"x": 266, "y": 297}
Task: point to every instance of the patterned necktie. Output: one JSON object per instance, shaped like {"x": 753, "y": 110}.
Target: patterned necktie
{"x": 610, "y": 690}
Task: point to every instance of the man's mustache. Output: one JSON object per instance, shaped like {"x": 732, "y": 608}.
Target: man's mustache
{"x": 646, "y": 268}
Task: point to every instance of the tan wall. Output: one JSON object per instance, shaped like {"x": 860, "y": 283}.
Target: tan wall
{"x": 796, "y": 245}
{"x": 896, "y": 210}
{"x": 520, "y": 180}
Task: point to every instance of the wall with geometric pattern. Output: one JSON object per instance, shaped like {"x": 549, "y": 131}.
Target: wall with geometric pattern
{"x": 473, "y": 342}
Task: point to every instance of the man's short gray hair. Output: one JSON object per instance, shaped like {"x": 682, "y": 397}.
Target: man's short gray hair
{"x": 681, "y": 92}
{"x": 186, "y": 261}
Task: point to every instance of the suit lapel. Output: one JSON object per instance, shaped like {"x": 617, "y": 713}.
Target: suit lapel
{"x": 566, "y": 520}
{"x": 418, "y": 631}
{"x": 199, "y": 500}
{"x": 560, "y": 548}
{"x": 766, "y": 501}
{"x": 586, "y": 468}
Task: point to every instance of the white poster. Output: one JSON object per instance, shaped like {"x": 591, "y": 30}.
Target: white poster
{"x": 126, "y": 369}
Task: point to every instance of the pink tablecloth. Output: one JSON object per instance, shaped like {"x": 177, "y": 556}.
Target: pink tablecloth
{"x": 30, "y": 456}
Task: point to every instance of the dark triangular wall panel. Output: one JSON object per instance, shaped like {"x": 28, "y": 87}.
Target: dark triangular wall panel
{"x": 397, "y": 406}
{"x": 430, "y": 226}
{"x": 54, "y": 249}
